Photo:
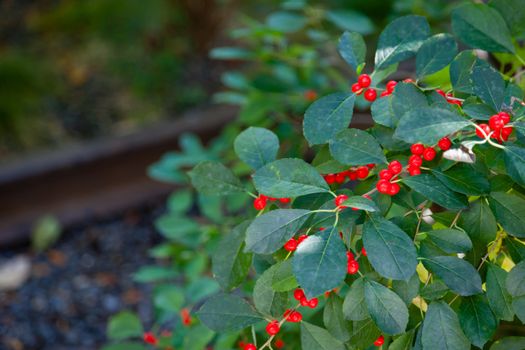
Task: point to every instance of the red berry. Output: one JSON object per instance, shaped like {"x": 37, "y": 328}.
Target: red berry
{"x": 362, "y": 172}
{"x": 350, "y": 256}
{"x": 304, "y": 302}
{"x": 429, "y": 153}
{"x": 506, "y": 131}
{"x": 352, "y": 175}
{"x": 505, "y": 117}
{"x": 340, "y": 178}
{"x": 291, "y": 245}
{"x": 391, "y": 85}
{"x": 386, "y": 174}
{"x": 370, "y": 166}
{"x": 353, "y": 267}
{"x": 444, "y": 144}
{"x": 310, "y": 95}
{"x": 370, "y": 95}
{"x": 284, "y": 200}
{"x": 414, "y": 170}
{"x": 496, "y": 122}
{"x": 312, "y": 303}
{"x": 496, "y": 134}
{"x": 415, "y": 161}
{"x": 364, "y": 80}
{"x": 485, "y": 128}
{"x": 149, "y": 338}
{"x": 395, "y": 166}
{"x": 383, "y": 186}
{"x": 408, "y": 80}
{"x": 385, "y": 93}
{"x": 329, "y": 178}
{"x": 394, "y": 189}
{"x": 379, "y": 341}
{"x": 441, "y": 92}
{"x": 340, "y": 199}
{"x": 294, "y": 316}
{"x": 363, "y": 251}
{"x": 249, "y": 346}
{"x": 279, "y": 343}
{"x": 301, "y": 238}
{"x": 417, "y": 149}
{"x": 357, "y": 89}
{"x": 259, "y": 203}
{"x": 298, "y": 294}
{"x": 273, "y": 328}
{"x": 185, "y": 316}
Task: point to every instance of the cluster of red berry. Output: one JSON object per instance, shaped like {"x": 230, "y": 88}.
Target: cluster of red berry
{"x": 352, "y": 264}
{"x": 386, "y": 176}
{"x": 364, "y": 81}
{"x": 449, "y": 97}
{"x": 298, "y": 294}
{"x": 260, "y": 202}
{"x": 497, "y": 125}
{"x": 354, "y": 173}
{"x": 292, "y": 244}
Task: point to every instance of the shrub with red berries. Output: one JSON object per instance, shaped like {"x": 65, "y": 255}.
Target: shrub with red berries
{"x": 408, "y": 234}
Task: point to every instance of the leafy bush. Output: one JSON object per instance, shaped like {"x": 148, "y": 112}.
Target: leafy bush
{"x": 411, "y": 229}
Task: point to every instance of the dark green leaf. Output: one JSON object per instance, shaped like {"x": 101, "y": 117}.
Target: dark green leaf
{"x": 509, "y": 209}
{"x": 516, "y": 249}
{"x": 405, "y": 98}
{"x": 169, "y": 298}
{"x": 513, "y": 13}
{"x": 516, "y": 280}
{"x": 283, "y": 278}
{"x": 489, "y": 86}
{"x": 289, "y": 177}
{"x": 464, "y": 178}
{"x": 451, "y": 240}
{"x": 390, "y": 251}
{"x": 351, "y": 20}
{"x": 354, "y": 307}
{"x": 124, "y": 325}
{"x": 327, "y": 116}
{"x": 476, "y": 319}
{"x": 213, "y": 178}
{"x": 364, "y": 333}
{"x": 434, "y": 291}
{"x": 230, "y": 264}
{"x": 481, "y": 27}
{"x": 435, "y": 54}
{"x": 362, "y": 203}
{"x": 441, "y": 329}
{"x": 225, "y": 312}
{"x": 270, "y": 231}
{"x": 457, "y": 274}
{"x": 352, "y": 49}
{"x": 256, "y": 146}
{"x": 508, "y": 343}
{"x": 333, "y": 318}
{"x": 231, "y": 53}
{"x": 476, "y": 110}
{"x": 383, "y": 112}
{"x": 400, "y": 40}
{"x": 403, "y": 342}
{"x": 479, "y": 222}
{"x": 197, "y": 338}
{"x": 518, "y": 304}
{"x": 407, "y": 290}
{"x": 317, "y": 338}
{"x": 515, "y": 163}
{"x": 498, "y": 297}
{"x": 267, "y": 301}
{"x": 356, "y": 147}
{"x": 428, "y": 125}
{"x": 386, "y": 308}
{"x": 319, "y": 263}
{"x": 434, "y": 190}
{"x": 286, "y": 22}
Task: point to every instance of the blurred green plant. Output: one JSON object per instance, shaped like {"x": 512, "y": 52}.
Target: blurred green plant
{"x": 46, "y": 232}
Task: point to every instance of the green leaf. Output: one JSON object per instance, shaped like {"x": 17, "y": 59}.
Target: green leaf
{"x": 270, "y": 231}
{"x": 509, "y": 210}
{"x": 356, "y": 147}
{"x": 289, "y": 177}
{"x": 451, "y": 240}
{"x": 464, "y": 178}
{"x": 476, "y": 110}
{"x": 513, "y": 13}
{"x": 390, "y": 251}
{"x": 256, "y": 146}
{"x": 516, "y": 249}
{"x": 405, "y": 98}
{"x": 267, "y": 301}
{"x": 286, "y": 22}
{"x": 334, "y": 320}
{"x": 383, "y": 112}
{"x": 386, "y": 308}
{"x": 213, "y": 178}
{"x": 179, "y": 229}
{"x": 283, "y": 279}
{"x": 435, "y": 54}
{"x": 457, "y": 274}
{"x": 403, "y": 342}
{"x": 169, "y": 298}
{"x": 317, "y": 338}
{"x": 197, "y": 338}
{"x": 180, "y": 201}
{"x": 400, "y": 40}
{"x": 479, "y": 222}
{"x": 498, "y": 297}
{"x": 124, "y": 325}
{"x": 231, "y": 53}
{"x": 327, "y": 116}
{"x": 518, "y": 304}
{"x": 354, "y": 307}
{"x": 230, "y": 264}
{"x": 352, "y": 49}
{"x": 351, "y": 20}
{"x": 481, "y": 27}
{"x": 461, "y": 71}
{"x": 148, "y": 274}
{"x": 407, "y": 290}
{"x": 441, "y": 329}
{"x": 508, "y": 343}
{"x": 225, "y": 312}
{"x": 516, "y": 280}
{"x": 319, "y": 263}
{"x": 476, "y": 320}
{"x": 364, "y": 333}
{"x": 428, "y": 125}
{"x": 489, "y": 86}
{"x": 515, "y": 163}
{"x": 362, "y": 203}
{"x": 428, "y": 186}
{"x": 434, "y": 291}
